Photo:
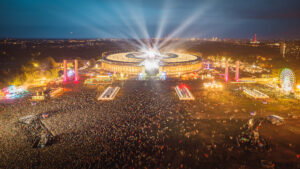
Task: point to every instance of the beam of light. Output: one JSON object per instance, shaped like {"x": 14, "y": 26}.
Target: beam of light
{"x": 133, "y": 33}
{"x": 126, "y": 34}
{"x": 134, "y": 25}
{"x": 132, "y": 16}
{"x": 86, "y": 18}
{"x": 90, "y": 22}
{"x": 180, "y": 29}
{"x": 112, "y": 34}
{"x": 172, "y": 45}
{"x": 163, "y": 21}
{"x": 139, "y": 21}
{"x": 186, "y": 24}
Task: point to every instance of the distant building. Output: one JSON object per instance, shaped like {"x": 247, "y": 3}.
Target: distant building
{"x": 90, "y": 43}
{"x": 255, "y": 40}
{"x": 283, "y": 49}
{"x": 23, "y": 45}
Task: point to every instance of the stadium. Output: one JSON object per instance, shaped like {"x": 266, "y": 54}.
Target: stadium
{"x": 151, "y": 63}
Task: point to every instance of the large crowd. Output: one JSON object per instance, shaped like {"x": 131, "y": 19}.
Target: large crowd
{"x": 146, "y": 126}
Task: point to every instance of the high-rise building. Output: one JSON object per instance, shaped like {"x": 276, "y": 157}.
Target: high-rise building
{"x": 255, "y": 40}
{"x": 23, "y": 45}
{"x": 90, "y": 43}
{"x": 283, "y": 49}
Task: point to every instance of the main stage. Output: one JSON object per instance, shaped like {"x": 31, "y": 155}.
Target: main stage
{"x": 172, "y": 63}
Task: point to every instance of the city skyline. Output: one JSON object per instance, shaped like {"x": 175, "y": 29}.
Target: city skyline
{"x": 142, "y": 19}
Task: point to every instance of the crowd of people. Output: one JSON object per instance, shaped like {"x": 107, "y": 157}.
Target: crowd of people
{"x": 146, "y": 126}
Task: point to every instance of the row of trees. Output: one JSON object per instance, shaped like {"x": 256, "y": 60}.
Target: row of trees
{"x": 45, "y": 68}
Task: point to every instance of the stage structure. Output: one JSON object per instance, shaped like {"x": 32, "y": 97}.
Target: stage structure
{"x": 99, "y": 79}
{"x": 76, "y": 77}
{"x": 237, "y": 71}
{"x": 226, "y": 71}
{"x": 151, "y": 63}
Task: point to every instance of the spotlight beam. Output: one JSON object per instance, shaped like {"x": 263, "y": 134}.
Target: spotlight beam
{"x": 132, "y": 32}
{"x": 187, "y": 23}
{"x": 180, "y": 29}
{"x": 163, "y": 20}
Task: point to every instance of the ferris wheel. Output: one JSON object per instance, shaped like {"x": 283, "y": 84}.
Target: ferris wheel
{"x": 287, "y": 80}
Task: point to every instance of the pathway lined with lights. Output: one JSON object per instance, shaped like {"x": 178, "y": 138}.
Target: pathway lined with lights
{"x": 184, "y": 93}
{"x": 255, "y": 94}
{"x": 109, "y": 94}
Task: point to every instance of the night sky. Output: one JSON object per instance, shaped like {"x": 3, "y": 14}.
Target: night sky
{"x": 270, "y": 19}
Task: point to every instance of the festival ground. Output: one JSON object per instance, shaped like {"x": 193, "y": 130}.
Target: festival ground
{"x": 147, "y": 126}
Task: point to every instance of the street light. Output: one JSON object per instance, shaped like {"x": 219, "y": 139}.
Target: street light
{"x": 298, "y": 87}
{"x": 35, "y": 64}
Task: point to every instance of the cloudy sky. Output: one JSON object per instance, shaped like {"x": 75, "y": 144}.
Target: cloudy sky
{"x": 269, "y": 19}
